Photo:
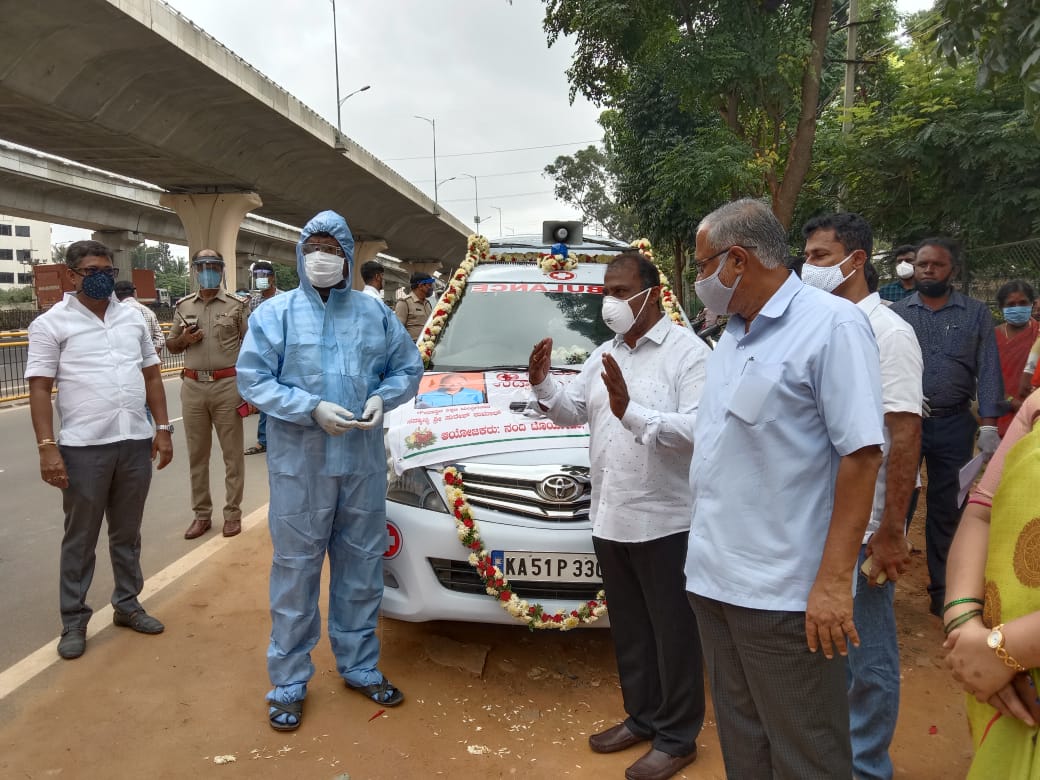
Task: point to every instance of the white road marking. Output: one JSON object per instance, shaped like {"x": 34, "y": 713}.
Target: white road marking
{"x": 20, "y": 673}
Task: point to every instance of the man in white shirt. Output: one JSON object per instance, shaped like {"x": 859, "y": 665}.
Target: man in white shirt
{"x": 102, "y": 358}
{"x": 639, "y": 394}
{"x": 788, "y": 448}
{"x": 127, "y": 295}
{"x": 837, "y": 259}
{"x": 372, "y": 275}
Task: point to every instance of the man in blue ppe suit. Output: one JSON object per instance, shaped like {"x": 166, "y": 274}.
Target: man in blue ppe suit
{"x": 324, "y": 362}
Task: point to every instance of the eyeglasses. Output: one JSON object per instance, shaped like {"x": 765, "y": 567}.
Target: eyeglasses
{"x": 90, "y": 271}
{"x": 263, "y": 272}
{"x": 332, "y": 250}
{"x": 699, "y": 264}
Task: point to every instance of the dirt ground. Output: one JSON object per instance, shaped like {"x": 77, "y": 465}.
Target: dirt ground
{"x": 493, "y": 701}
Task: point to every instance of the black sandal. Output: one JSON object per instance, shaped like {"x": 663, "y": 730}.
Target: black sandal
{"x": 382, "y": 692}
{"x": 294, "y": 708}
{"x": 256, "y": 450}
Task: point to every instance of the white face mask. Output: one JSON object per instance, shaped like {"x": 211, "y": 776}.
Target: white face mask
{"x": 618, "y": 314}
{"x": 262, "y": 282}
{"x": 323, "y": 269}
{"x": 713, "y": 293}
{"x": 904, "y": 270}
{"x": 826, "y": 278}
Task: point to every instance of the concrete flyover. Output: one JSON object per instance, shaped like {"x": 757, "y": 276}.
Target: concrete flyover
{"x": 37, "y": 186}
{"x": 133, "y": 87}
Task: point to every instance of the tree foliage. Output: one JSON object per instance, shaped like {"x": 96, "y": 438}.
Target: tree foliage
{"x": 757, "y": 66}
{"x": 586, "y": 181}
{"x": 938, "y": 156}
{"x": 1002, "y": 35}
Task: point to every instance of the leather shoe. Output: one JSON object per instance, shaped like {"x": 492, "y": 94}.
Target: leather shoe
{"x": 72, "y": 643}
{"x": 232, "y": 527}
{"x": 658, "y": 765}
{"x": 139, "y": 621}
{"x": 198, "y": 527}
{"x": 614, "y": 739}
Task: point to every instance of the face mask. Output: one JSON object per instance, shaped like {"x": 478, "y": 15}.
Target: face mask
{"x": 826, "y": 278}
{"x": 209, "y": 278}
{"x": 323, "y": 269}
{"x": 98, "y": 286}
{"x": 932, "y": 288}
{"x": 262, "y": 282}
{"x": 618, "y": 314}
{"x": 1017, "y": 315}
{"x": 904, "y": 270}
{"x": 713, "y": 293}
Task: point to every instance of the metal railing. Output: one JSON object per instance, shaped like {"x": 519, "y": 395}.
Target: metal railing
{"x": 13, "y": 352}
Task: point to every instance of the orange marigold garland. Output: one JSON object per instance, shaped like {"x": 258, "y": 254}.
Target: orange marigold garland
{"x": 495, "y": 582}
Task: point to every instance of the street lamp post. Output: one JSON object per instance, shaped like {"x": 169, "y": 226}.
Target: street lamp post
{"x": 359, "y": 89}
{"x": 476, "y": 201}
{"x": 433, "y": 127}
{"x": 335, "y": 54}
{"x": 496, "y": 208}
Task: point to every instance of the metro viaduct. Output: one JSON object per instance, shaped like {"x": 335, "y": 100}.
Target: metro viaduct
{"x": 133, "y": 87}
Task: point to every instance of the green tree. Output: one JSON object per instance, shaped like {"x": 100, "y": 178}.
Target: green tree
{"x": 758, "y": 66}
{"x": 1003, "y": 36}
{"x": 938, "y": 157}
{"x": 585, "y": 181}
{"x": 58, "y": 253}
{"x": 285, "y": 276}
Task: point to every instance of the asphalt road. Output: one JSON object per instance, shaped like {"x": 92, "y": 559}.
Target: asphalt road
{"x": 31, "y": 521}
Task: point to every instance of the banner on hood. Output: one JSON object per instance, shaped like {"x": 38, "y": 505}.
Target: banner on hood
{"x": 460, "y": 415}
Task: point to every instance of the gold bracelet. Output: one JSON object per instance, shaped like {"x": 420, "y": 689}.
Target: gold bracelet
{"x": 1002, "y": 654}
{"x": 46, "y": 443}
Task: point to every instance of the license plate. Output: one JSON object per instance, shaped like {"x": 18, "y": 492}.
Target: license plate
{"x": 548, "y": 567}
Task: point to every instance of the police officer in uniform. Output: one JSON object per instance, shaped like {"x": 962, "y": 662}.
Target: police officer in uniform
{"x": 414, "y": 309}
{"x": 208, "y": 328}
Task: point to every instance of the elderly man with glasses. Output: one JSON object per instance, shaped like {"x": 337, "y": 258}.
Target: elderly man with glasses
{"x": 792, "y": 408}
{"x": 101, "y": 356}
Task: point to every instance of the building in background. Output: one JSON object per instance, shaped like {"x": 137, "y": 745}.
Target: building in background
{"x": 23, "y": 243}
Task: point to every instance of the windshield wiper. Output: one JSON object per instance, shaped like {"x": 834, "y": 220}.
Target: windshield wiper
{"x": 495, "y": 245}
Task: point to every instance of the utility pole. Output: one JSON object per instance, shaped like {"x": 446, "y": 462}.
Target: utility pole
{"x": 850, "y": 84}
{"x": 850, "y": 67}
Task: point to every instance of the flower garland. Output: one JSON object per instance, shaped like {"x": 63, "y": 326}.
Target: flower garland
{"x": 478, "y": 251}
{"x": 495, "y": 582}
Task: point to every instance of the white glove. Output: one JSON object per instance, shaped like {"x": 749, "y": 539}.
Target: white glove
{"x": 332, "y": 418}
{"x": 372, "y": 414}
{"x": 989, "y": 440}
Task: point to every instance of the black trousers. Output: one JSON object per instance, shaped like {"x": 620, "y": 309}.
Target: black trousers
{"x": 656, "y": 641}
{"x": 947, "y": 443}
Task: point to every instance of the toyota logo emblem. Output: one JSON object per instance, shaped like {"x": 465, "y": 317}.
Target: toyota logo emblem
{"x": 560, "y": 488}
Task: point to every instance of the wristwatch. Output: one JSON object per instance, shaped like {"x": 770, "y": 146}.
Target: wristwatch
{"x": 167, "y": 428}
{"x": 995, "y": 641}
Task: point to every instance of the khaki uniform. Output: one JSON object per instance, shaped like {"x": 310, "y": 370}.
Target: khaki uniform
{"x": 209, "y": 403}
{"x": 413, "y": 314}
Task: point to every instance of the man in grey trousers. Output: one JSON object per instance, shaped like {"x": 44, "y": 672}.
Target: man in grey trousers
{"x": 101, "y": 357}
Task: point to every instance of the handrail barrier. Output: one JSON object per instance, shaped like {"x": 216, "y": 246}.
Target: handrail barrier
{"x": 14, "y": 351}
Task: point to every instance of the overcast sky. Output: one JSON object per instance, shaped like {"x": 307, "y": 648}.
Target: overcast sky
{"x": 480, "y": 68}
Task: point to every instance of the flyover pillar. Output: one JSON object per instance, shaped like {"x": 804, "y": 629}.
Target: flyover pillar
{"x": 121, "y": 242}
{"x": 211, "y": 221}
{"x": 363, "y": 252}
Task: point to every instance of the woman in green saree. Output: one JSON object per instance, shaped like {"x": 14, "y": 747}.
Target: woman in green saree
{"x": 992, "y": 617}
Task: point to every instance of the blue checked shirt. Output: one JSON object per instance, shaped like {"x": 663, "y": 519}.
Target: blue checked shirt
{"x": 960, "y": 352}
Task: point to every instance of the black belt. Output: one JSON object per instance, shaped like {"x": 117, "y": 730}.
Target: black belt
{"x": 949, "y": 411}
